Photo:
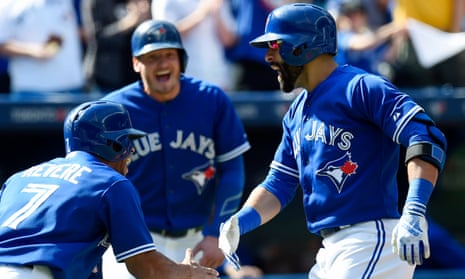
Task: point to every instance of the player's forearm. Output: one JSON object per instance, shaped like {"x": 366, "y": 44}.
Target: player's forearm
{"x": 260, "y": 207}
{"x": 265, "y": 203}
{"x": 417, "y": 168}
{"x": 422, "y": 177}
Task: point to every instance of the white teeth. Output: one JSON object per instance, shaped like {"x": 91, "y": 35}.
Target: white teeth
{"x": 163, "y": 72}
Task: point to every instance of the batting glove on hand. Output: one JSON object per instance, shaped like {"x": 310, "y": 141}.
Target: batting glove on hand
{"x": 410, "y": 238}
{"x": 229, "y": 241}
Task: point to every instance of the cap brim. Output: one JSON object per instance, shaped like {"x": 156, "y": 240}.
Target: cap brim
{"x": 262, "y": 41}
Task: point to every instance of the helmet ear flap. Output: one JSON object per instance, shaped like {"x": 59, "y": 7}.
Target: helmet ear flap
{"x": 182, "y": 59}
{"x": 299, "y": 50}
{"x": 297, "y": 55}
{"x": 287, "y": 54}
{"x": 115, "y": 146}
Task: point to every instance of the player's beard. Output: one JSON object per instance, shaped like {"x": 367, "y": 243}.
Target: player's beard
{"x": 289, "y": 76}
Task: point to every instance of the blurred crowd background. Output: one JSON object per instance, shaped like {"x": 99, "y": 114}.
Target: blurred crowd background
{"x": 50, "y": 47}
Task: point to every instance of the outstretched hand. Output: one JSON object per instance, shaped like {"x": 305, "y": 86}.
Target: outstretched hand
{"x": 211, "y": 254}
{"x": 198, "y": 271}
{"x": 188, "y": 258}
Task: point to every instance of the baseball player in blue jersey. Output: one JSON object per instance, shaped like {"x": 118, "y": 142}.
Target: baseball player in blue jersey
{"x": 57, "y": 218}
{"x": 189, "y": 168}
{"x": 341, "y": 143}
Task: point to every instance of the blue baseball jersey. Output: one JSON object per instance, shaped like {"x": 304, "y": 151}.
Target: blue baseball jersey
{"x": 64, "y": 213}
{"x": 175, "y": 166}
{"x": 341, "y": 143}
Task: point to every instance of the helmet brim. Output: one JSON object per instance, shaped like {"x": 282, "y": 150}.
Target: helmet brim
{"x": 262, "y": 41}
{"x": 134, "y": 133}
{"x": 155, "y": 46}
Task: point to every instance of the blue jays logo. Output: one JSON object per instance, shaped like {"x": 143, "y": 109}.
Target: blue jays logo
{"x": 157, "y": 34}
{"x": 339, "y": 170}
{"x": 201, "y": 176}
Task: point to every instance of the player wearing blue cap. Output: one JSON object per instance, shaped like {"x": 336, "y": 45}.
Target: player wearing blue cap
{"x": 341, "y": 143}
{"x": 189, "y": 168}
{"x": 57, "y": 218}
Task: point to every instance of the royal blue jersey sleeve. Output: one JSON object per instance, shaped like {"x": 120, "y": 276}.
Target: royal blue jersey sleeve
{"x": 384, "y": 104}
{"x": 124, "y": 212}
{"x": 229, "y": 193}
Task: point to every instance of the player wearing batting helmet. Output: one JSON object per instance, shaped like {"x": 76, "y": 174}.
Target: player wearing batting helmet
{"x": 341, "y": 143}
{"x": 189, "y": 168}
{"x": 58, "y": 217}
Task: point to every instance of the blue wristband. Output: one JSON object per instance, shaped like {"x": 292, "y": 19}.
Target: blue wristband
{"x": 248, "y": 219}
{"x": 418, "y": 195}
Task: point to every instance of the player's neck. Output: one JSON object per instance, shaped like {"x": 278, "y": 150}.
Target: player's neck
{"x": 318, "y": 70}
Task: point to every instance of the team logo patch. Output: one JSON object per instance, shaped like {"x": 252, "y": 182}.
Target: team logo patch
{"x": 200, "y": 176}
{"x": 339, "y": 170}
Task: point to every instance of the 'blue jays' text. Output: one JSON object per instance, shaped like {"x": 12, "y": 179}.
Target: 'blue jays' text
{"x": 196, "y": 143}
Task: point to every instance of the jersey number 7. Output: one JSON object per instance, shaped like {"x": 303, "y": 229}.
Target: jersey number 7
{"x": 42, "y": 192}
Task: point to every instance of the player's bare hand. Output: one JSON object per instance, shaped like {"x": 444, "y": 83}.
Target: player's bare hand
{"x": 188, "y": 259}
{"x": 198, "y": 271}
{"x": 211, "y": 254}
{"x": 202, "y": 272}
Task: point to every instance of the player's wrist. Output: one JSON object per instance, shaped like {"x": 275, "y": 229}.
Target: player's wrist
{"x": 418, "y": 195}
{"x": 248, "y": 219}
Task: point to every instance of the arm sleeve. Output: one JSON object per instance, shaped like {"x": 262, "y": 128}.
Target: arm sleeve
{"x": 230, "y": 187}
{"x": 282, "y": 185}
{"x": 126, "y": 225}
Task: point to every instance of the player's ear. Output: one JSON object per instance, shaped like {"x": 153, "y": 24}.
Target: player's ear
{"x": 135, "y": 64}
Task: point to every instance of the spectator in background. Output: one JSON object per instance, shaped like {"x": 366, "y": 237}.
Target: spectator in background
{"x": 252, "y": 71}
{"x": 82, "y": 35}
{"x": 108, "y": 26}
{"x": 207, "y": 27}
{"x": 361, "y": 45}
{"x": 41, "y": 40}
{"x": 445, "y": 15}
{"x": 4, "y": 76}
{"x": 378, "y": 12}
